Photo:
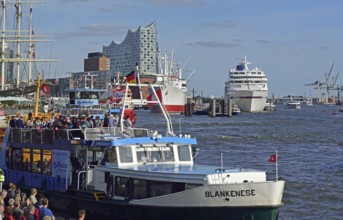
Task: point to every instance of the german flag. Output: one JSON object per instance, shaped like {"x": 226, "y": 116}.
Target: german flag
{"x": 130, "y": 78}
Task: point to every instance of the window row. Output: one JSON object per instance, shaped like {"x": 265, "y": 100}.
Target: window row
{"x": 248, "y": 81}
{"x": 146, "y": 154}
{"x": 30, "y": 160}
{"x": 141, "y": 189}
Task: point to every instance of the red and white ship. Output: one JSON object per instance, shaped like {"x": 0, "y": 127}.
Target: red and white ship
{"x": 172, "y": 89}
{"x": 172, "y": 98}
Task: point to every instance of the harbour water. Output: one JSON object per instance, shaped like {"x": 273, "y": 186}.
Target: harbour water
{"x": 309, "y": 143}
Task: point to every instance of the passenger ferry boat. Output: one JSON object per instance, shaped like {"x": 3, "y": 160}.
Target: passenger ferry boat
{"x": 134, "y": 173}
{"x": 248, "y": 88}
{"x": 292, "y": 104}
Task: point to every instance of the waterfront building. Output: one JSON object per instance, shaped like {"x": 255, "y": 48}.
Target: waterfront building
{"x": 139, "y": 47}
{"x": 96, "y": 61}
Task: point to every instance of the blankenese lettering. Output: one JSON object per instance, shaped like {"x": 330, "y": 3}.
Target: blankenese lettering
{"x": 233, "y": 193}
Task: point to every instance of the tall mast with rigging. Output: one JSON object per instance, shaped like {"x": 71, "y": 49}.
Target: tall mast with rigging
{"x": 19, "y": 36}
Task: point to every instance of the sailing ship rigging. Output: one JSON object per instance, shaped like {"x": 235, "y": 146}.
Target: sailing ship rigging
{"x": 18, "y": 48}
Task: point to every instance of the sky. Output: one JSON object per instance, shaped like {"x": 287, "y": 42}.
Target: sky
{"x": 294, "y": 42}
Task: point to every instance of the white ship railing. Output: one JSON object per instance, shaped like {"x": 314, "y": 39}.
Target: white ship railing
{"x": 142, "y": 101}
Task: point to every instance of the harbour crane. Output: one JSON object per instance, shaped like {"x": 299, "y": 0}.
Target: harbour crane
{"x": 323, "y": 87}
{"x": 334, "y": 80}
{"x": 317, "y": 84}
{"x": 326, "y": 84}
{"x": 338, "y": 88}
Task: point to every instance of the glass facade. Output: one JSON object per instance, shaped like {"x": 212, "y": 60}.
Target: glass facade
{"x": 139, "y": 47}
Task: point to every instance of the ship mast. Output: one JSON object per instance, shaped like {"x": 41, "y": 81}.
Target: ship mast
{"x": 3, "y": 44}
{"x": 18, "y": 16}
{"x": 19, "y": 36}
{"x": 30, "y": 46}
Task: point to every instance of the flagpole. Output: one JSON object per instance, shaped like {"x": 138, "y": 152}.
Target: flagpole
{"x": 276, "y": 166}
{"x": 139, "y": 82}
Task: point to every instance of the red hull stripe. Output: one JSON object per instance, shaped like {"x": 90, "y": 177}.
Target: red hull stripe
{"x": 251, "y": 97}
{"x": 169, "y": 108}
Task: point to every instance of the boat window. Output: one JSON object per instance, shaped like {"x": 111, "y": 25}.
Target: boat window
{"x": 167, "y": 153}
{"x": 141, "y": 155}
{"x": 85, "y": 95}
{"x": 139, "y": 189}
{"x": 112, "y": 156}
{"x": 27, "y": 159}
{"x": 125, "y": 154}
{"x": 184, "y": 153}
{"x": 46, "y": 165}
{"x": 154, "y": 154}
{"x": 36, "y": 162}
{"x": 17, "y": 159}
{"x": 158, "y": 188}
{"x": 121, "y": 186}
{"x": 95, "y": 157}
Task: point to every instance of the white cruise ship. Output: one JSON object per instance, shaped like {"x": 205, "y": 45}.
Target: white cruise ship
{"x": 247, "y": 88}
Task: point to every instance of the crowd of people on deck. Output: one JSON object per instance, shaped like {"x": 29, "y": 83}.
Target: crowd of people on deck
{"x": 67, "y": 122}
{"x": 17, "y": 205}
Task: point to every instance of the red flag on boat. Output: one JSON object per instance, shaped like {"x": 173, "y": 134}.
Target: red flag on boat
{"x": 46, "y": 89}
{"x": 273, "y": 158}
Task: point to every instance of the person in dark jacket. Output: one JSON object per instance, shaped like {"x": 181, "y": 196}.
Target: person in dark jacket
{"x": 19, "y": 122}
{"x": 30, "y": 215}
{"x": 12, "y": 122}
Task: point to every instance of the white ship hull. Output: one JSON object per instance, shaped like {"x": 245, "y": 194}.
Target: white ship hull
{"x": 249, "y": 101}
{"x": 247, "y": 88}
{"x": 221, "y": 195}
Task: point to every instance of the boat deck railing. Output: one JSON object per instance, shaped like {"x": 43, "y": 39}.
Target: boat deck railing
{"x": 114, "y": 133}
{"x": 84, "y": 111}
{"x": 43, "y": 136}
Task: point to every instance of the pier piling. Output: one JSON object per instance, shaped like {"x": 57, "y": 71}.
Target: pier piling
{"x": 213, "y": 108}
{"x": 229, "y": 107}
